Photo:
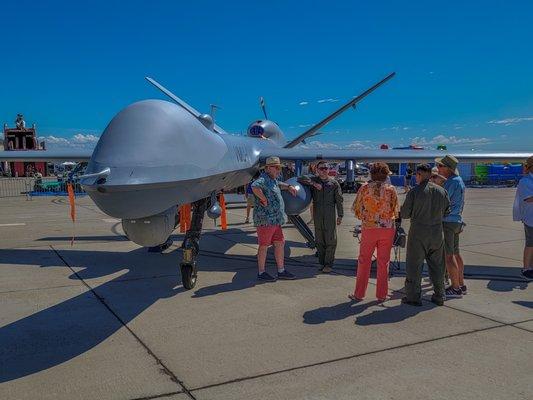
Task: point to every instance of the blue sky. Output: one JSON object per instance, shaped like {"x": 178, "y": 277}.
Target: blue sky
{"x": 464, "y": 71}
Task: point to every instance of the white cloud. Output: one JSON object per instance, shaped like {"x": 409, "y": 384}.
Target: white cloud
{"x": 83, "y": 139}
{"x": 510, "y": 121}
{"x": 315, "y": 144}
{"x": 444, "y": 139}
{"x": 358, "y": 145}
{"x": 303, "y": 103}
{"x": 304, "y": 125}
{"x": 79, "y": 140}
{"x": 397, "y": 128}
{"x": 330, "y": 100}
{"x": 355, "y": 145}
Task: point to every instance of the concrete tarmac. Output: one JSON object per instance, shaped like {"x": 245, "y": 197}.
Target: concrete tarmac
{"x": 105, "y": 319}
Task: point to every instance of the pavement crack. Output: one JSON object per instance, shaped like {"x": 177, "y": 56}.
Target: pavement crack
{"x": 157, "y": 396}
{"x": 492, "y": 255}
{"x": 158, "y": 360}
{"x": 350, "y": 357}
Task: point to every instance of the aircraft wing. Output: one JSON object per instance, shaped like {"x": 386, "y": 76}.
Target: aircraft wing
{"x": 352, "y": 103}
{"x": 77, "y": 155}
{"x": 388, "y": 155}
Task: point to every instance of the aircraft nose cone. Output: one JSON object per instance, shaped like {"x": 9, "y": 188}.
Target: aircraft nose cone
{"x": 154, "y": 140}
{"x": 153, "y": 150}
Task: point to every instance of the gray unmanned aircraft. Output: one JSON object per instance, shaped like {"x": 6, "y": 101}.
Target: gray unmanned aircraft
{"x": 155, "y": 155}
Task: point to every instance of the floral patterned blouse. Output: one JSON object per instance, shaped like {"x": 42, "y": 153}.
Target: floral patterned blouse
{"x": 376, "y": 205}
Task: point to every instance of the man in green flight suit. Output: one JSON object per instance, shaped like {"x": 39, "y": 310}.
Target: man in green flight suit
{"x": 327, "y": 198}
{"x": 425, "y": 205}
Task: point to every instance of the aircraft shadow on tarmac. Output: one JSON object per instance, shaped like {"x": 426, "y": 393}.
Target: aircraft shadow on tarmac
{"x": 72, "y": 327}
{"x": 63, "y": 331}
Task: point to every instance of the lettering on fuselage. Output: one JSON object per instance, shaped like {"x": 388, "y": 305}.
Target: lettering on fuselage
{"x": 241, "y": 154}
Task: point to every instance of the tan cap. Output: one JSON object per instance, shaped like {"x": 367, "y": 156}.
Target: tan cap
{"x": 272, "y": 161}
{"x": 448, "y": 161}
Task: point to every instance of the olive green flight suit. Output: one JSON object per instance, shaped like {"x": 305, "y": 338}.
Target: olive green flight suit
{"x": 426, "y": 204}
{"x": 325, "y": 202}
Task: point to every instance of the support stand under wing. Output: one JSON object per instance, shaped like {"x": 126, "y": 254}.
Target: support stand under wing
{"x": 304, "y": 230}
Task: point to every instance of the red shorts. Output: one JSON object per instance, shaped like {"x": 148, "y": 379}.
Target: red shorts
{"x": 267, "y": 235}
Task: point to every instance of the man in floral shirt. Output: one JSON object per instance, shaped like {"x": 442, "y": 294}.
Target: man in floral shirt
{"x": 269, "y": 215}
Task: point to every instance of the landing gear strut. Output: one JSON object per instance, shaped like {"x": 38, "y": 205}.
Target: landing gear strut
{"x": 191, "y": 244}
{"x": 304, "y": 230}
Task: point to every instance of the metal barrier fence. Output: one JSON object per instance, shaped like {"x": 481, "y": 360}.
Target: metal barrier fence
{"x": 47, "y": 186}
{"x": 509, "y": 180}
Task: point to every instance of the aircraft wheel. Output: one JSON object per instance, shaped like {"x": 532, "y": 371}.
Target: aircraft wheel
{"x": 188, "y": 276}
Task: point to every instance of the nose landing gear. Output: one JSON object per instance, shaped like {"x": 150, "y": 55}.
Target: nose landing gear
{"x": 189, "y": 272}
{"x": 191, "y": 245}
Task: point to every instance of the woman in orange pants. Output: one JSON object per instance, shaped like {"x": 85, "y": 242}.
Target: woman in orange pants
{"x": 376, "y": 205}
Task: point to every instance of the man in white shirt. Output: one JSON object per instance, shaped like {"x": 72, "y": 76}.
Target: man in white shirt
{"x": 523, "y": 211}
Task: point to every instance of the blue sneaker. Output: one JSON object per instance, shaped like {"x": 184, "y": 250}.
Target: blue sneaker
{"x": 286, "y": 275}
{"x": 452, "y": 293}
{"x": 265, "y": 276}
{"x": 527, "y": 273}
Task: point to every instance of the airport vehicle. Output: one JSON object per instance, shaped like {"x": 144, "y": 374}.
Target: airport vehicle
{"x": 155, "y": 155}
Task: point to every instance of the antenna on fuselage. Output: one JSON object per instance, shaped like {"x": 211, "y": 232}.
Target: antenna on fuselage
{"x": 263, "y": 106}
{"x": 214, "y": 108}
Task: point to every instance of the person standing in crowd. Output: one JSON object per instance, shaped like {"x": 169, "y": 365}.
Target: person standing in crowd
{"x": 437, "y": 178}
{"x": 425, "y": 205}
{"x": 407, "y": 180}
{"x": 328, "y": 213}
{"x": 453, "y": 224}
{"x": 269, "y": 216}
{"x": 376, "y": 205}
{"x": 312, "y": 172}
{"x": 523, "y": 211}
{"x": 250, "y": 198}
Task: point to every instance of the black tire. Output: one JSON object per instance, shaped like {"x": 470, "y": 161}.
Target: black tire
{"x": 188, "y": 276}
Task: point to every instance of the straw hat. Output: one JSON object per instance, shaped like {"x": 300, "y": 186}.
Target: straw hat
{"x": 273, "y": 162}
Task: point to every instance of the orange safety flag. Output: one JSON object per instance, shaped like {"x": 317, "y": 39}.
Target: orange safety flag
{"x": 188, "y": 208}
{"x": 185, "y": 217}
{"x": 72, "y": 203}
{"x": 223, "y": 217}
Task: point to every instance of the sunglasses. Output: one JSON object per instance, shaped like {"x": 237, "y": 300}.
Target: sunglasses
{"x": 323, "y": 168}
